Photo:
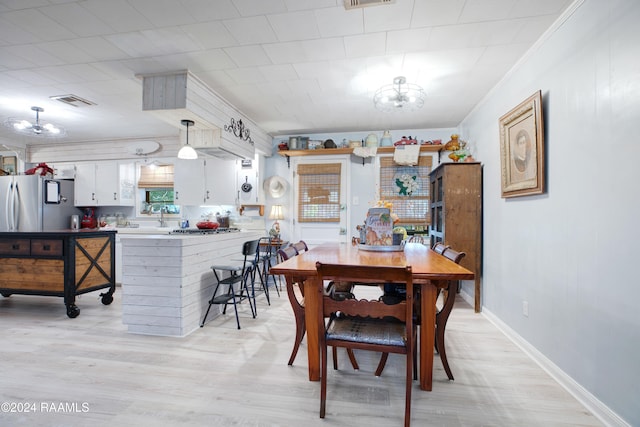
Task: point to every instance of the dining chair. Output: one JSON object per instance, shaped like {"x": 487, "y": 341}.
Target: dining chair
{"x": 416, "y": 238}
{"x": 301, "y": 246}
{"x": 368, "y": 324}
{"x": 442, "y": 315}
{"x": 242, "y": 274}
{"x": 297, "y": 302}
{"x": 440, "y": 247}
{"x": 295, "y": 292}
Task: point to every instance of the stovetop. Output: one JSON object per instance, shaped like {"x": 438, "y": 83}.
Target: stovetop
{"x": 218, "y": 230}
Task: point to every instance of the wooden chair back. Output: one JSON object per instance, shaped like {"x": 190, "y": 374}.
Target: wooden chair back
{"x": 301, "y": 246}
{"x": 440, "y": 247}
{"x": 286, "y": 253}
{"x": 365, "y": 275}
{"x": 416, "y": 238}
{"x": 453, "y": 255}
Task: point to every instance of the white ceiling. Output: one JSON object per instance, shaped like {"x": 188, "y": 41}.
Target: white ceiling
{"x": 292, "y": 66}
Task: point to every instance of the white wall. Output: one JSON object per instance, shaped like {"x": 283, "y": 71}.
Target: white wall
{"x": 361, "y": 179}
{"x": 572, "y": 252}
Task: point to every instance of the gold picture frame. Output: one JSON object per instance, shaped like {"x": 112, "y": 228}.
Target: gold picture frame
{"x": 522, "y": 149}
{"x": 9, "y": 164}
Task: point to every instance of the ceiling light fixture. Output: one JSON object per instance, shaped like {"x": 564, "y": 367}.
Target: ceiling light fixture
{"x": 187, "y": 152}
{"x": 399, "y": 96}
{"x": 352, "y": 4}
{"x": 25, "y": 127}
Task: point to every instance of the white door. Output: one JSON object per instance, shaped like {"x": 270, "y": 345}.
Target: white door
{"x": 315, "y": 233}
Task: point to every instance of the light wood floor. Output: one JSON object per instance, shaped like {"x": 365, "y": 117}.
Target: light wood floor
{"x": 221, "y": 376}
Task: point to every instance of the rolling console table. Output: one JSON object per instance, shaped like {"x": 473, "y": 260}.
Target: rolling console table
{"x": 62, "y": 263}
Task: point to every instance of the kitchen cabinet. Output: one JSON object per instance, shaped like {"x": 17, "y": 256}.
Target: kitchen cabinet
{"x": 63, "y": 170}
{"x": 85, "y": 185}
{"x": 220, "y": 181}
{"x": 108, "y": 183}
{"x": 456, "y": 214}
{"x": 188, "y": 182}
{"x": 208, "y": 181}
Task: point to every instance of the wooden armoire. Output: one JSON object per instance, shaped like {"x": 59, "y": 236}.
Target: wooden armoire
{"x": 456, "y": 214}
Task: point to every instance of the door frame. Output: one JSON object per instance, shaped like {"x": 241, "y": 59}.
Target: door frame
{"x": 310, "y": 235}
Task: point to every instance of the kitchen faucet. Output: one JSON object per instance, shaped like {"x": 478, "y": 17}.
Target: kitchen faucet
{"x": 163, "y": 223}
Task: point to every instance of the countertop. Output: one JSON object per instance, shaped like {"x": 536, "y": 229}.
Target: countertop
{"x": 166, "y": 234}
{"x": 56, "y": 232}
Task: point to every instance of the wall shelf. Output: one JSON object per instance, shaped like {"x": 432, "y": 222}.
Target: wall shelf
{"x": 260, "y": 208}
{"x": 337, "y": 151}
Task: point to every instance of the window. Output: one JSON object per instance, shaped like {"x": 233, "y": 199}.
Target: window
{"x": 407, "y": 187}
{"x": 156, "y": 199}
{"x": 156, "y": 187}
{"x": 319, "y": 192}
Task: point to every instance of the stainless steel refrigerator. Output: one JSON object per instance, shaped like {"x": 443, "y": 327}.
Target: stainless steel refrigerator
{"x": 33, "y": 203}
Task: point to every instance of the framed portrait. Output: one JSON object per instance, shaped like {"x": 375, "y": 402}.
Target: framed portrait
{"x": 9, "y": 164}
{"x": 522, "y": 149}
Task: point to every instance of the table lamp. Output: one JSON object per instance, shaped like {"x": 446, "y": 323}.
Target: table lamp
{"x": 277, "y": 214}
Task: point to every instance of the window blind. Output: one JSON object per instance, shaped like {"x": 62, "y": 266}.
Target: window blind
{"x": 156, "y": 176}
{"x": 407, "y": 187}
{"x": 319, "y": 192}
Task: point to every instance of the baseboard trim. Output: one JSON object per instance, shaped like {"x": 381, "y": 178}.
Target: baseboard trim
{"x": 588, "y": 400}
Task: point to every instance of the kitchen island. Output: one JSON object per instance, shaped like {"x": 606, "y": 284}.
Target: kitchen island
{"x": 167, "y": 279}
{"x": 61, "y": 263}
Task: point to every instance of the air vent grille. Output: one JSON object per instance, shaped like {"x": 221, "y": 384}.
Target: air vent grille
{"x": 354, "y": 4}
{"x": 74, "y": 100}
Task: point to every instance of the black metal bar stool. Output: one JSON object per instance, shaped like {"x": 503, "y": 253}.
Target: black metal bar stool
{"x": 244, "y": 273}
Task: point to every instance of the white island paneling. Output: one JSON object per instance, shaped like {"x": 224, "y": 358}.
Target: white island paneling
{"x": 167, "y": 280}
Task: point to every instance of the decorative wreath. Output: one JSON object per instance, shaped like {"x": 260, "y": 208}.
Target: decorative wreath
{"x": 406, "y": 184}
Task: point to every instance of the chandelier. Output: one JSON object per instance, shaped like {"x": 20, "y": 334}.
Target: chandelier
{"x": 399, "y": 96}
{"x": 37, "y": 129}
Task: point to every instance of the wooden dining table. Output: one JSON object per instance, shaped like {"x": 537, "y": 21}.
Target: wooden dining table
{"x": 430, "y": 271}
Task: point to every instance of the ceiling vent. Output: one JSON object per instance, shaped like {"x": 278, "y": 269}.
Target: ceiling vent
{"x": 73, "y": 100}
{"x": 354, "y": 4}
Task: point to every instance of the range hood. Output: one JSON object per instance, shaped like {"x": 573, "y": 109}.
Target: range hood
{"x": 210, "y": 142}
{"x": 179, "y": 95}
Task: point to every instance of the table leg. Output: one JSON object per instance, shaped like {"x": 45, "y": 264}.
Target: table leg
{"x": 313, "y": 309}
{"x": 427, "y": 334}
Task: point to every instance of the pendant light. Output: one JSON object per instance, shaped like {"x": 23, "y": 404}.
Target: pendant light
{"x": 187, "y": 152}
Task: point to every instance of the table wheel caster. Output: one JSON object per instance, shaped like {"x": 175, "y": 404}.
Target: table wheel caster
{"x": 106, "y": 299}
{"x": 73, "y": 311}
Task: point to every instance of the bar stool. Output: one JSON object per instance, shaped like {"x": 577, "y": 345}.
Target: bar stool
{"x": 242, "y": 273}
{"x": 265, "y": 254}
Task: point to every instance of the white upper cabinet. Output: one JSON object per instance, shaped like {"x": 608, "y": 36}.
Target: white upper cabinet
{"x": 208, "y": 181}
{"x": 188, "y": 182}
{"x": 220, "y": 180}
{"x": 85, "y": 185}
{"x": 108, "y": 183}
{"x": 63, "y": 170}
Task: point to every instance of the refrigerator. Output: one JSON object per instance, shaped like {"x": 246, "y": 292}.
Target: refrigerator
{"x": 34, "y": 203}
